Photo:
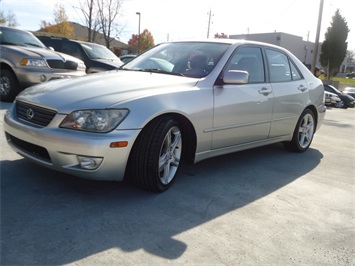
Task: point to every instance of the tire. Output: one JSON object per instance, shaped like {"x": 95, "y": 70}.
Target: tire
{"x": 340, "y": 104}
{"x": 156, "y": 155}
{"x": 9, "y": 86}
{"x": 303, "y": 133}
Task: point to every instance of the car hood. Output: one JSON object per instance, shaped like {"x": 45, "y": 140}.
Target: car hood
{"x": 103, "y": 90}
{"x": 35, "y": 52}
{"x": 114, "y": 63}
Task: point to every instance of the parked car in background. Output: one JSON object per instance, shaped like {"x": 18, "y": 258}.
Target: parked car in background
{"x": 349, "y": 91}
{"x": 25, "y": 61}
{"x": 179, "y": 101}
{"x": 126, "y": 58}
{"x": 331, "y": 99}
{"x": 350, "y": 75}
{"x": 345, "y": 99}
{"x": 96, "y": 57}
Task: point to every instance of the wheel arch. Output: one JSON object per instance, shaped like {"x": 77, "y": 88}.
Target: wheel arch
{"x": 8, "y": 67}
{"x": 188, "y": 133}
{"x": 314, "y": 110}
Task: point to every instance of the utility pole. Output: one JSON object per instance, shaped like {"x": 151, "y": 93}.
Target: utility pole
{"x": 209, "y": 23}
{"x": 315, "y": 55}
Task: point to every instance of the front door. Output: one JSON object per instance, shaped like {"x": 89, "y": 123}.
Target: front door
{"x": 243, "y": 112}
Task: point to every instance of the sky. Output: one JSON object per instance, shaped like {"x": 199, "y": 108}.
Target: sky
{"x": 187, "y": 19}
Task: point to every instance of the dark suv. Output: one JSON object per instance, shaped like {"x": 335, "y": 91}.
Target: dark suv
{"x": 346, "y": 100}
{"x": 96, "y": 57}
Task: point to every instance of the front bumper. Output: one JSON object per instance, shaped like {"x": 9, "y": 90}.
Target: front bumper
{"x": 60, "y": 149}
{"x": 32, "y": 76}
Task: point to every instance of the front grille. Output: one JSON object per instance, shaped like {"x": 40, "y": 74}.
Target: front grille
{"x": 34, "y": 114}
{"x": 59, "y": 64}
{"x": 32, "y": 149}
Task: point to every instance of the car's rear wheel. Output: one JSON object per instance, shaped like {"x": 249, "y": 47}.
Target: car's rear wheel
{"x": 156, "y": 155}
{"x": 9, "y": 86}
{"x": 303, "y": 133}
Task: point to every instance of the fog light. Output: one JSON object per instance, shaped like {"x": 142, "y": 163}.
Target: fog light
{"x": 90, "y": 163}
{"x": 42, "y": 78}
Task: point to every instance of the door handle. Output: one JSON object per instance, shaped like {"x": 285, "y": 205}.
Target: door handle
{"x": 265, "y": 91}
{"x": 302, "y": 88}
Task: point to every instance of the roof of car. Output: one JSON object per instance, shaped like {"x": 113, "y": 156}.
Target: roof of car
{"x": 67, "y": 39}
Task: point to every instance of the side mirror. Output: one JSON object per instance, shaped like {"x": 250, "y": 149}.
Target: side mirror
{"x": 236, "y": 77}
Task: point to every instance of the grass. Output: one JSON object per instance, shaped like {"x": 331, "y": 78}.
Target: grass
{"x": 344, "y": 80}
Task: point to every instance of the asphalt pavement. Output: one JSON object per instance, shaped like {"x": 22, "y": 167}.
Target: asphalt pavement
{"x": 264, "y": 206}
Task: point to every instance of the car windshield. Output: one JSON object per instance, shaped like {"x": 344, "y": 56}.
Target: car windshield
{"x": 10, "y": 36}
{"x": 191, "y": 59}
{"x": 334, "y": 89}
{"x": 95, "y": 51}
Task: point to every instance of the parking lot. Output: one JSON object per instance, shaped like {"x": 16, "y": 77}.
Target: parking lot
{"x": 264, "y": 206}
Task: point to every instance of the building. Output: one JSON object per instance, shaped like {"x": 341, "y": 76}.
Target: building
{"x": 303, "y": 50}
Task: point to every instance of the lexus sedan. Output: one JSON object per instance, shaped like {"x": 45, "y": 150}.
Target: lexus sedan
{"x": 179, "y": 101}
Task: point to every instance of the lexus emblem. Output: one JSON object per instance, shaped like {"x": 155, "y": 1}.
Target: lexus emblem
{"x": 30, "y": 114}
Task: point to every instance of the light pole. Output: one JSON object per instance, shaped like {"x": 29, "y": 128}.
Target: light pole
{"x": 139, "y": 29}
{"x": 315, "y": 54}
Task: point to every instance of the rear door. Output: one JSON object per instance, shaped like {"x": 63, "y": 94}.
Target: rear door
{"x": 290, "y": 92}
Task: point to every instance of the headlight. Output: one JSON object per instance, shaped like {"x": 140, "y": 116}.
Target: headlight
{"x": 95, "y": 120}
{"x": 33, "y": 62}
{"x": 81, "y": 66}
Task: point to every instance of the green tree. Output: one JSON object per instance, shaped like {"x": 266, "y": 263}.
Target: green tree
{"x": 61, "y": 24}
{"x": 333, "y": 50}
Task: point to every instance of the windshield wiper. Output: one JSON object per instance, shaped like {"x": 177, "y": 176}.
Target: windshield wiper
{"x": 11, "y": 43}
{"x": 157, "y": 70}
{"x": 33, "y": 44}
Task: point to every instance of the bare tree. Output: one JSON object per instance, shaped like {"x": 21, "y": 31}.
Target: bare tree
{"x": 89, "y": 8}
{"x": 8, "y": 19}
{"x": 108, "y": 10}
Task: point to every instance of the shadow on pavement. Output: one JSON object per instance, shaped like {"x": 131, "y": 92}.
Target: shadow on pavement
{"x": 51, "y": 218}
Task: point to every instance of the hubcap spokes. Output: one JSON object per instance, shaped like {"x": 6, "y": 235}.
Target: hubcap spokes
{"x": 306, "y": 130}
{"x": 170, "y": 155}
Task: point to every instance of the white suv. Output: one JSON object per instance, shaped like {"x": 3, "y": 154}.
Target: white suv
{"x": 26, "y": 61}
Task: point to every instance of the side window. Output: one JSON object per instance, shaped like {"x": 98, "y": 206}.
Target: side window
{"x": 71, "y": 49}
{"x": 249, "y": 59}
{"x": 296, "y": 75}
{"x": 279, "y": 67}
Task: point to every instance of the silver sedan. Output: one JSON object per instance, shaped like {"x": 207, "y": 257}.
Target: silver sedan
{"x": 188, "y": 100}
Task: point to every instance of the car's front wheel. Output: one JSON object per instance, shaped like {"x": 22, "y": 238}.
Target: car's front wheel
{"x": 303, "y": 133}
{"x": 156, "y": 155}
{"x": 340, "y": 104}
{"x": 9, "y": 86}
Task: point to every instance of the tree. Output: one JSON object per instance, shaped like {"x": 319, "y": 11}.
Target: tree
{"x": 8, "y": 19}
{"x": 62, "y": 26}
{"x": 334, "y": 47}
{"x": 133, "y": 43}
{"x": 108, "y": 10}
{"x": 89, "y": 8}
{"x": 145, "y": 41}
